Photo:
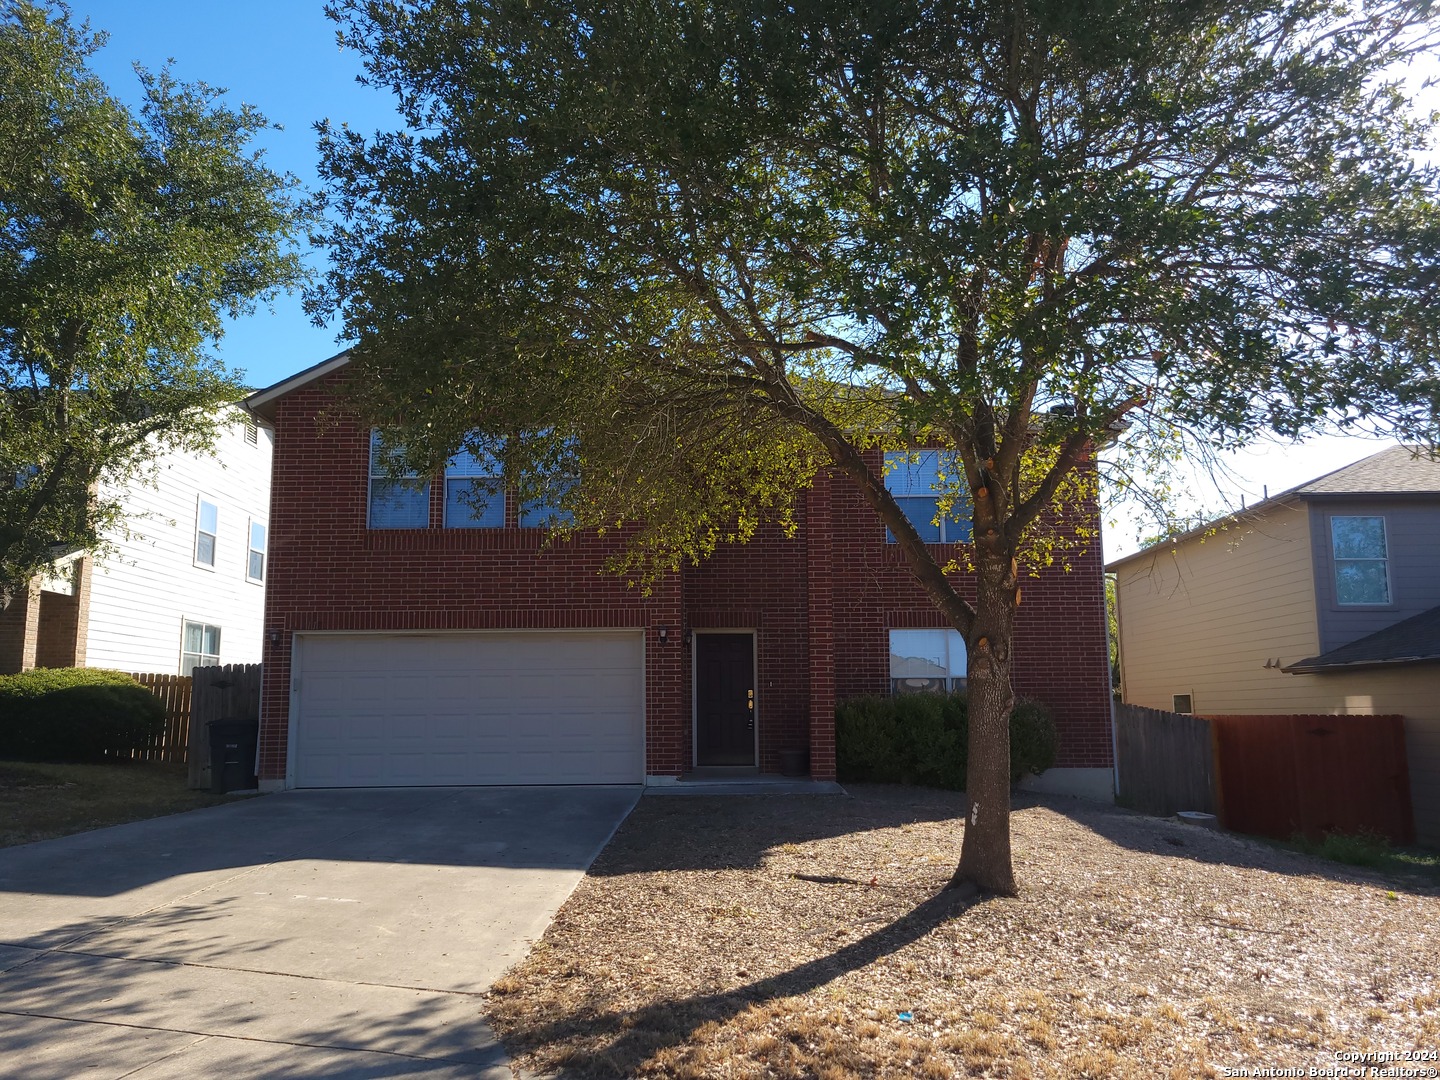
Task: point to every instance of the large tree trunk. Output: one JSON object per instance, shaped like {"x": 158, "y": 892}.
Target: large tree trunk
{"x": 985, "y": 853}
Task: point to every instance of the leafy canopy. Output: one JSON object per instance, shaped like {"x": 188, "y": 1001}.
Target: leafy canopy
{"x": 126, "y": 239}
{"x": 724, "y": 242}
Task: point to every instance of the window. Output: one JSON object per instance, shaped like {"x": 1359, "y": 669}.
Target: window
{"x": 1361, "y": 573}
{"x": 1182, "y": 704}
{"x": 918, "y": 484}
{"x": 207, "y": 527}
{"x": 255, "y": 560}
{"x": 402, "y": 503}
{"x": 926, "y": 660}
{"x": 474, "y": 492}
{"x": 200, "y": 646}
{"x": 542, "y": 512}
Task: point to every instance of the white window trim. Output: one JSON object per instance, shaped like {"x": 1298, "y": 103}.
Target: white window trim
{"x": 185, "y": 622}
{"x": 201, "y": 501}
{"x": 1335, "y": 562}
{"x": 250, "y": 549}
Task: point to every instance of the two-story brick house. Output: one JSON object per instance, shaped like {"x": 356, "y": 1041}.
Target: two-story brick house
{"x": 417, "y": 637}
{"x": 1324, "y": 599}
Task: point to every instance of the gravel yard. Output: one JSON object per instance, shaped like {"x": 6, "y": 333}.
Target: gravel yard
{"x": 783, "y": 936}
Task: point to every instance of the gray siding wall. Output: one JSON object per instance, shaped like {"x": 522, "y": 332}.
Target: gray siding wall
{"x": 1412, "y": 534}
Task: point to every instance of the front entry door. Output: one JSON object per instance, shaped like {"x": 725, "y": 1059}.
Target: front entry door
{"x": 725, "y": 699}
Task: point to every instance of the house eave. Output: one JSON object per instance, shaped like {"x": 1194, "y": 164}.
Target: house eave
{"x": 1307, "y": 667}
{"x": 261, "y": 404}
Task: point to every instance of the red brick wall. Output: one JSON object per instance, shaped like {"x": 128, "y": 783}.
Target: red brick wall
{"x": 1060, "y": 655}
{"x": 820, "y": 603}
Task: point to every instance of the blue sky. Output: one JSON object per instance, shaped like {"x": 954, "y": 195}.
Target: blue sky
{"x": 281, "y": 56}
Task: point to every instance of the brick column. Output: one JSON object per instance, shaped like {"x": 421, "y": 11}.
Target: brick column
{"x": 667, "y": 697}
{"x": 20, "y": 631}
{"x": 820, "y": 626}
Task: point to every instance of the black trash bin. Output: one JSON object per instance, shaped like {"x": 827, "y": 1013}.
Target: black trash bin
{"x": 232, "y": 754}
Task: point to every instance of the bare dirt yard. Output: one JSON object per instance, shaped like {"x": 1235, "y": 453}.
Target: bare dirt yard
{"x": 779, "y": 936}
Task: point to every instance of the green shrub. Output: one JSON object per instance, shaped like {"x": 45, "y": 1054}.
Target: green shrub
{"x": 75, "y": 714}
{"x": 1034, "y": 742}
{"x": 925, "y": 739}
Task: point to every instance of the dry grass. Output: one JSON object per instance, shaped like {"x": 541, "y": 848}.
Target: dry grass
{"x": 38, "y": 802}
{"x": 783, "y": 937}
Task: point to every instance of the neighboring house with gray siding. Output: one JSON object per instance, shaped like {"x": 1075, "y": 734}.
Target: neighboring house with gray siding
{"x": 1324, "y": 599}
{"x": 182, "y": 585}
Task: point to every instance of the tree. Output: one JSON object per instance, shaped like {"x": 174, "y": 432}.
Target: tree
{"x": 699, "y": 250}
{"x": 126, "y": 239}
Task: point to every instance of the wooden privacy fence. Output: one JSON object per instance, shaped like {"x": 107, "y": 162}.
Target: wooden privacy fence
{"x": 225, "y": 692}
{"x": 1280, "y": 775}
{"x": 1268, "y": 775}
{"x": 174, "y": 693}
{"x": 1165, "y": 761}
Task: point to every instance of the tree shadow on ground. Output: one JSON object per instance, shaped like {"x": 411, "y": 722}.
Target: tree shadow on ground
{"x": 96, "y": 997}
{"x": 1150, "y": 835}
{"x": 633, "y": 1037}
{"x": 703, "y": 832}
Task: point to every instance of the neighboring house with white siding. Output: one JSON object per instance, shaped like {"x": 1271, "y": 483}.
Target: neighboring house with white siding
{"x": 182, "y": 585}
{"x": 1324, "y": 599}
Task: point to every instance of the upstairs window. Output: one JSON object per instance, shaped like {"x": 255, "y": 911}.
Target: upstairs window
{"x": 1362, "y": 574}
{"x": 474, "y": 492}
{"x": 207, "y": 529}
{"x": 199, "y": 645}
{"x": 926, "y": 660}
{"x": 918, "y": 483}
{"x": 543, "y": 513}
{"x": 255, "y": 558}
{"x": 396, "y": 502}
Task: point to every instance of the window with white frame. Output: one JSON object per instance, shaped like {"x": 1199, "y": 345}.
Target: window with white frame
{"x": 398, "y": 499}
{"x": 474, "y": 492}
{"x": 255, "y": 557}
{"x": 926, "y": 660}
{"x": 920, "y": 483}
{"x": 207, "y": 530}
{"x": 1362, "y": 574}
{"x": 199, "y": 646}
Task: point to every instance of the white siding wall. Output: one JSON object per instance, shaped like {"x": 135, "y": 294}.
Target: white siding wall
{"x": 142, "y": 592}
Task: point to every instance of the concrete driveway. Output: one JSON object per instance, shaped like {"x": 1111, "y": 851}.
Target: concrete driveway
{"x": 316, "y": 933}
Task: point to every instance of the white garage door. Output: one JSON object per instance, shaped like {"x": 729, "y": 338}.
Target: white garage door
{"x": 504, "y": 708}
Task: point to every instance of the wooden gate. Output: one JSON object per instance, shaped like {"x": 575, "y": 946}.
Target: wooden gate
{"x": 174, "y": 693}
{"x": 1281, "y": 775}
{"x": 1164, "y": 761}
{"x": 225, "y": 692}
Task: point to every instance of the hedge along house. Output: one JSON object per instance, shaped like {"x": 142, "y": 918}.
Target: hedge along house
{"x": 415, "y": 638}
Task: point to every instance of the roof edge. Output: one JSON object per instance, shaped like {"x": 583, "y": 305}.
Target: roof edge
{"x": 261, "y": 404}
{"x": 1308, "y": 666}
{"x": 1290, "y": 499}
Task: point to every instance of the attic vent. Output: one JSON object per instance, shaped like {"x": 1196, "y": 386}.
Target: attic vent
{"x": 252, "y": 432}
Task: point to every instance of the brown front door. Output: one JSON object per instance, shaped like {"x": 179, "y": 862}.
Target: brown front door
{"x": 724, "y": 699}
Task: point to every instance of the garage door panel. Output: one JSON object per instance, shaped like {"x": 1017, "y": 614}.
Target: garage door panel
{"x": 533, "y": 708}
